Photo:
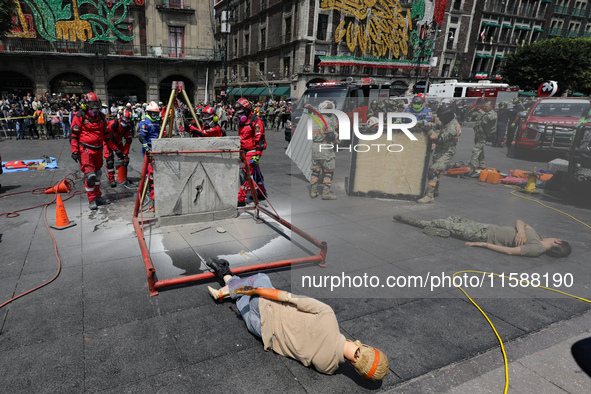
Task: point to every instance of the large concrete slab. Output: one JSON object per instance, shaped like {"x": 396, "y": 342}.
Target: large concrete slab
{"x": 196, "y": 187}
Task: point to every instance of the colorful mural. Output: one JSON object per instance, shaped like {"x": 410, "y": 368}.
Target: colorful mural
{"x": 53, "y": 20}
{"x": 380, "y": 26}
{"x": 383, "y": 25}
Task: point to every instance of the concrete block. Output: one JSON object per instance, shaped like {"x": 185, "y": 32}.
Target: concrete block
{"x": 196, "y": 187}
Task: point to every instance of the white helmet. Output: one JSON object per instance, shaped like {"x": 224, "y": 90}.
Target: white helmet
{"x": 373, "y": 122}
{"x": 153, "y": 107}
{"x": 327, "y": 104}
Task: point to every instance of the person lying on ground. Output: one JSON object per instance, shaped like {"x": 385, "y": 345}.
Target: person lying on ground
{"x": 298, "y": 327}
{"x": 520, "y": 240}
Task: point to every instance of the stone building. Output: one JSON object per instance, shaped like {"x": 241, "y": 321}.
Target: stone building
{"x": 279, "y": 46}
{"x": 126, "y": 50}
{"x": 485, "y": 31}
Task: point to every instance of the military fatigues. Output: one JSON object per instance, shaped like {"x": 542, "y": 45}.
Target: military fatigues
{"x": 271, "y": 117}
{"x": 459, "y": 227}
{"x": 323, "y": 159}
{"x": 445, "y": 138}
{"x": 486, "y": 124}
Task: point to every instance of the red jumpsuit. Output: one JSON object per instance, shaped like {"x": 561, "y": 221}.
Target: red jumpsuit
{"x": 88, "y": 136}
{"x": 116, "y": 145}
{"x": 252, "y": 143}
{"x": 215, "y": 131}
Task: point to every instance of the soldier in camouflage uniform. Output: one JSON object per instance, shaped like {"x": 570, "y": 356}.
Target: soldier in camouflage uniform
{"x": 323, "y": 158}
{"x": 486, "y": 125}
{"x": 518, "y": 240}
{"x": 271, "y": 115}
{"x": 445, "y": 135}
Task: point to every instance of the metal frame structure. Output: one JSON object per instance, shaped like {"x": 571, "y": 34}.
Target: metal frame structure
{"x": 138, "y": 222}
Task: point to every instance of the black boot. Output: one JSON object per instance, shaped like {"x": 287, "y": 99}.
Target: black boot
{"x": 221, "y": 267}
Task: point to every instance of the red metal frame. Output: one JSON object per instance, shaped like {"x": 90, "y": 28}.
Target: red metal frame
{"x": 154, "y": 285}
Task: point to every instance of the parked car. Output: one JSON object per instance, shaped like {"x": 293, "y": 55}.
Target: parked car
{"x": 549, "y": 124}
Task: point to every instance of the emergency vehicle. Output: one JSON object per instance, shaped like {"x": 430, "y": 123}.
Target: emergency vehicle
{"x": 349, "y": 96}
{"x": 476, "y": 92}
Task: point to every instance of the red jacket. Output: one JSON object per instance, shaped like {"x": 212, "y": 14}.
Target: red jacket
{"x": 252, "y": 135}
{"x": 215, "y": 131}
{"x": 117, "y": 134}
{"x": 88, "y": 132}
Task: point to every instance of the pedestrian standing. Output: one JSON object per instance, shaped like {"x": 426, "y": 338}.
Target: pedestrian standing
{"x": 444, "y": 135}
{"x": 502, "y": 122}
{"x": 323, "y": 159}
{"x": 485, "y": 127}
{"x": 89, "y": 131}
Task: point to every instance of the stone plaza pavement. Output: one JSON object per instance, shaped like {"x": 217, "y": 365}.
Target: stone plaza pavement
{"x": 96, "y": 329}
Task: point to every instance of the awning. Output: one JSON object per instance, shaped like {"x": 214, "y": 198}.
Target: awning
{"x": 529, "y": 94}
{"x": 546, "y": 1}
{"x": 240, "y": 91}
{"x": 538, "y": 29}
{"x": 282, "y": 91}
{"x": 490, "y": 24}
{"x": 257, "y": 91}
{"x": 247, "y": 91}
{"x": 523, "y": 28}
{"x": 230, "y": 91}
{"x": 484, "y": 56}
{"x": 506, "y": 26}
{"x": 500, "y": 57}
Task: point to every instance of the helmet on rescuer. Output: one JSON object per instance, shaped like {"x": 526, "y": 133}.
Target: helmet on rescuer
{"x": 90, "y": 103}
{"x": 445, "y": 113}
{"x": 125, "y": 118}
{"x": 153, "y": 111}
{"x": 207, "y": 113}
{"x": 418, "y": 104}
{"x": 243, "y": 110}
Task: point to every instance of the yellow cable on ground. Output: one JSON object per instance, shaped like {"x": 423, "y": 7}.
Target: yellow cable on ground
{"x": 520, "y": 281}
{"x": 492, "y": 325}
{"x": 546, "y": 206}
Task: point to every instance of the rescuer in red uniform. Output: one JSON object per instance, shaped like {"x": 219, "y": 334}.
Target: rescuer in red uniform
{"x": 119, "y": 130}
{"x": 210, "y": 125}
{"x": 252, "y": 142}
{"x": 89, "y": 132}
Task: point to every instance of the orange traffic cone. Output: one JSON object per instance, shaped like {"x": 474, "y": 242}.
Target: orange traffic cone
{"x": 61, "y": 217}
{"x": 121, "y": 174}
{"x": 62, "y": 187}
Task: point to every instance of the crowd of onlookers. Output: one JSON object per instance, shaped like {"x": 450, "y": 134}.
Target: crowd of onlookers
{"x": 49, "y": 116}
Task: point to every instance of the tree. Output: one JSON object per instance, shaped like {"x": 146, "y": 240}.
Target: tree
{"x": 7, "y": 10}
{"x": 564, "y": 60}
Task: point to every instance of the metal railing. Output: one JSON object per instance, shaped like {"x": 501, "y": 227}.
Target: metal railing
{"x": 27, "y": 45}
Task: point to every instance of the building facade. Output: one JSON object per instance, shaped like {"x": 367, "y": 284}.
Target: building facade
{"x": 127, "y": 50}
{"x": 279, "y": 46}
{"x": 485, "y": 31}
